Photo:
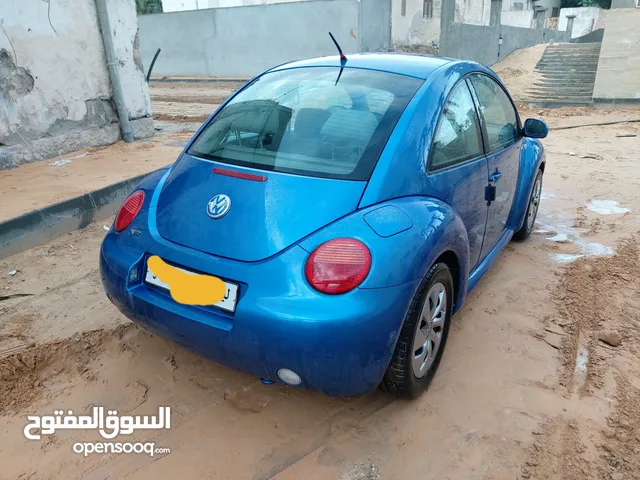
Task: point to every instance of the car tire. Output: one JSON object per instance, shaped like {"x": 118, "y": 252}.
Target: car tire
{"x": 408, "y": 374}
{"x": 532, "y": 210}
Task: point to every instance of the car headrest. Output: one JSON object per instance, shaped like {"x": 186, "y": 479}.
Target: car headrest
{"x": 356, "y": 126}
{"x": 309, "y": 121}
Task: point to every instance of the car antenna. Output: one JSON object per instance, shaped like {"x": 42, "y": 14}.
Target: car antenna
{"x": 343, "y": 58}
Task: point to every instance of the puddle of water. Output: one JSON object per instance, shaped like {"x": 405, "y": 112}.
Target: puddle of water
{"x": 592, "y": 248}
{"x": 607, "y": 207}
{"x": 566, "y": 257}
{"x": 580, "y": 376}
{"x": 559, "y": 237}
{"x": 582, "y": 359}
{"x": 555, "y": 224}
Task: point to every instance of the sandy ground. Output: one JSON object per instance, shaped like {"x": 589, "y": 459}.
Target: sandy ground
{"x": 180, "y": 111}
{"x": 517, "y": 70}
{"x": 525, "y": 389}
{"x": 188, "y": 101}
{"x": 38, "y": 184}
{"x": 212, "y": 93}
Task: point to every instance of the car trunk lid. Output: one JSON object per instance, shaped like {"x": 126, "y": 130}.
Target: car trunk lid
{"x": 265, "y": 216}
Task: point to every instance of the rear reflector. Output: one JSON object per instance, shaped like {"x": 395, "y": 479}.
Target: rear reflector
{"x": 243, "y": 175}
{"x": 129, "y": 210}
{"x": 338, "y": 266}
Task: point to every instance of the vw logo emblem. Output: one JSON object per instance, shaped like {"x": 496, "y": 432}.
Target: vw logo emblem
{"x": 218, "y": 206}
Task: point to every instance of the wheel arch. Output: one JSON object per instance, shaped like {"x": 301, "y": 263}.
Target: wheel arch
{"x": 532, "y": 159}
{"x": 450, "y": 246}
{"x": 450, "y": 259}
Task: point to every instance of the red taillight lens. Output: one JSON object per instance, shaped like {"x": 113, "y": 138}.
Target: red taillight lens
{"x": 129, "y": 210}
{"x": 338, "y": 266}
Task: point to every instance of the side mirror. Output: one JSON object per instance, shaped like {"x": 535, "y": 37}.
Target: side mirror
{"x": 535, "y": 128}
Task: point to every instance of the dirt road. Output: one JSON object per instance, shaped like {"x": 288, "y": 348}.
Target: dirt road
{"x": 39, "y": 184}
{"x": 525, "y": 389}
{"x": 189, "y": 101}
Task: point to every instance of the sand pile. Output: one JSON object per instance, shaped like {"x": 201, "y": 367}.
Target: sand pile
{"x": 518, "y": 70}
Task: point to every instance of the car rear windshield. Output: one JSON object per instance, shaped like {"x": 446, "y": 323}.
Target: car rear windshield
{"x": 308, "y": 121}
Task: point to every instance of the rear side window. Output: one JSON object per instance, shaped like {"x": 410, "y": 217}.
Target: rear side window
{"x": 457, "y": 136}
{"x": 500, "y": 118}
{"x": 309, "y": 122}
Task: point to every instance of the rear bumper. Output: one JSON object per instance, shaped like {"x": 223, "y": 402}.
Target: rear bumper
{"x": 339, "y": 345}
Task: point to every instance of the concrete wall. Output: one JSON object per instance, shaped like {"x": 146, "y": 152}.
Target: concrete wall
{"x": 618, "y": 75}
{"x": 181, "y": 5}
{"x": 55, "y": 92}
{"x": 522, "y": 19}
{"x": 584, "y": 23}
{"x": 186, "y": 5}
{"x": 241, "y": 3}
{"x": 124, "y": 26}
{"x": 374, "y": 25}
{"x": 549, "y": 5}
{"x": 413, "y": 28}
{"x": 243, "y": 41}
{"x": 508, "y": 5}
{"x": 480, "y": 43}
{"x": 472, "y": 12}
{"x": 593, "y": 37}
{"x": 623, "y": 3}
{"x": 601, "y": 22}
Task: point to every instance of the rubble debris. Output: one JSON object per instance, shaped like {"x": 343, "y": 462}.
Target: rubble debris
{"x": 610, "y": 337}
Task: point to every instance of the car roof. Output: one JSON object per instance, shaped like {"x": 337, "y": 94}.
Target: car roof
{"x": 413, "y": 65}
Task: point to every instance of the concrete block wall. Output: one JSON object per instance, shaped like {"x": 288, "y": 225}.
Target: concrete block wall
{"x": 585, "y": 21}
{"x": 618, "y": 75}
{"x": 244, "y": 41}
{"x": 124, "y": 24}
{"x": 55, "y": 91}
{"x": 184, "y": 5}
{"x": 481, "y": 43}
{"x": 472, "y": 12}
{"x": 374, "y": 23}
{"x": 413, "y": 28}
{"x": 623, "y": 3}
{"x": 515, "y": 18}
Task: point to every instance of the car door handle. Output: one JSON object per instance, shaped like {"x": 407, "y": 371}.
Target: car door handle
{"x": 493, "y": 179}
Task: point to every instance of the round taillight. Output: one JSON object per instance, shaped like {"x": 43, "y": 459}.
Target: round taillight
{"x": 338, "y": 266}
{"x": 129, "y": 210}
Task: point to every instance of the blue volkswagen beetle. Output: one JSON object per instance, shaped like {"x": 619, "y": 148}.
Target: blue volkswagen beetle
{"x": 349, "y": 207}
